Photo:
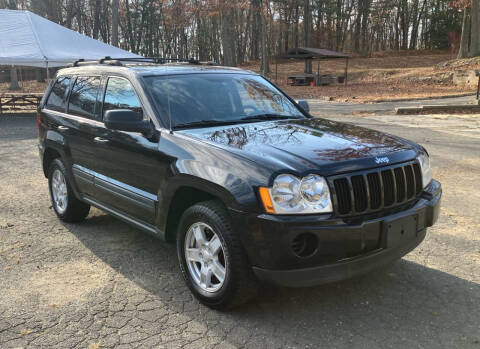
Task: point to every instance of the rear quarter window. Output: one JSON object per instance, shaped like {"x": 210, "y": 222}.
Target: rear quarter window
{"x": 83, "y": 98}
{"x": 57, "y": 98}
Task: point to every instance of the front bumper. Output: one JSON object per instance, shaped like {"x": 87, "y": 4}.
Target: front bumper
{"x": 346, "y": 248}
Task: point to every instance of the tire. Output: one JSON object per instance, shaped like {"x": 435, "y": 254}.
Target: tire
{"x": 69, "y": 208}
{"x": 239, "y": 284}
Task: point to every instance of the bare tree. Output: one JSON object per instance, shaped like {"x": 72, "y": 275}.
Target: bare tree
{"x": 463, "y": 51}
{"x": 265, "y": 55}
{"x": 228, "y": 36}
{"x": 307, "y": 27}
{"x": 14, "y": 80}
{"x": 234, "y": 31}
{"x": 114, "y": 23}
{"x": 475, "y": 29}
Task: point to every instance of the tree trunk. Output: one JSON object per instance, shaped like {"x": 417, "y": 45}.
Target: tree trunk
{"x": 228, "y": 37}
{"x": 38, "y": 75}
{"x": 287, "y": 28}
{"x": 256, "y": 33}
{"x": 475, "y": 29}
{"x": 463, "y": 51}
{"x": 358, "y": 22}
{"x": 13, "y": 80}
{"x": 115, "y": 23}
{"x": 339, "y": 26}
{"x": 96, "y": 20}
{"x": 307, "y": 24}
{"x": 265, "y": 58}
{"x": 70, "y": 13}
{"x": 295, "y": 31}
{"x": 365, "y": 15}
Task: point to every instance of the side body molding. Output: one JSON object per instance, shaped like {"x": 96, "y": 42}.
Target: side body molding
{"x": 91, "y": 181}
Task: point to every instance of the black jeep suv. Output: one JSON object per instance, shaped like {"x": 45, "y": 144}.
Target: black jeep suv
{"x": 249, "y": 185}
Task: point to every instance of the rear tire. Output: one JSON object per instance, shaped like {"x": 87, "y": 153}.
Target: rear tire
{"x": 231, "y": 286}
{"x": 64, "y": 202}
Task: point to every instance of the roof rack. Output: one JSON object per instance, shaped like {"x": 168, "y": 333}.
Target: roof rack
{"x": 145, "y": 60}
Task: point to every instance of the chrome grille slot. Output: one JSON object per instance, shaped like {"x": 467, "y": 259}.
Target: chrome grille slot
{"x": 373, "y": 190}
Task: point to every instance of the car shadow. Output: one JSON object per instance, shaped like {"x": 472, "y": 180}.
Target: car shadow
{"x": 406, "y": 303}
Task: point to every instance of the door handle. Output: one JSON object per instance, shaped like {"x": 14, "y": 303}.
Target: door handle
{"x": 100, "y": 140}
{"x": 62, "y": 128}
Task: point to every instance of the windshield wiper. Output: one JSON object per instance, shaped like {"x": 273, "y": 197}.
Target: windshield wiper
{"x": 270, "y": 117}
{"x": 207, "y": 123}
{"x": 204, "y": 123}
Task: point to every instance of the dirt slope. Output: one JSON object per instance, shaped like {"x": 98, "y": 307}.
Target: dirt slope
{"x": 383, "y": 76}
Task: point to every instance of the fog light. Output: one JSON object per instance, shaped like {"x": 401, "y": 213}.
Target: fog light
{"x": 305, "y": 245}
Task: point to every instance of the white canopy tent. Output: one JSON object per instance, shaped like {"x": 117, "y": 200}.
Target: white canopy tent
{"x": 27, "y": 39}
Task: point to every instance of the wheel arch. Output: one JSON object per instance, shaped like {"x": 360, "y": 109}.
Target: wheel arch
{"x": 184, "y": 197}
{"x": 49, "y": 155}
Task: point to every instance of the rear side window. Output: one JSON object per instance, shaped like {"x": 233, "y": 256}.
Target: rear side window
{"x": 120, "y": 95}
{"x": 57, "y": 97}
{"x": 83, "y": 98}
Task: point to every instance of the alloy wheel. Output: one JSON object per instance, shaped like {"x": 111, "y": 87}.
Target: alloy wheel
{"x": 205, "y": 257}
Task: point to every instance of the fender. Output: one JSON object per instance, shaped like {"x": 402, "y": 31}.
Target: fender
{"x": 56, "y": 141}
{"x": 196, "y": 164}
{"x": 227, "y": 192}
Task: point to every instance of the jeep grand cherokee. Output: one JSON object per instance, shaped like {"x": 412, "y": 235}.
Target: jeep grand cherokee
{"x": 248, "y": 184}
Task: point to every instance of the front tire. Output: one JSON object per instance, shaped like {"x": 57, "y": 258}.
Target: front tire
{"x": 212, "y": 259}
{"x": 64, "y": 202}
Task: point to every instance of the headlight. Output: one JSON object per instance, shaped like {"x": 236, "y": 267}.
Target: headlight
{"x": 292, "y": 195}
{"x": 424, "y": 161}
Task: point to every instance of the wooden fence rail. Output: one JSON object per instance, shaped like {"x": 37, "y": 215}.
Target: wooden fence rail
{"x": 19, "y": 102}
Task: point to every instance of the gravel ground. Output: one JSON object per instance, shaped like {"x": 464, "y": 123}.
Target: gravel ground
{"x": 105, "y": 284}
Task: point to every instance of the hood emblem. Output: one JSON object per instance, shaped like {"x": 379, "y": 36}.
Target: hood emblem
{"x": 383, "y": 160}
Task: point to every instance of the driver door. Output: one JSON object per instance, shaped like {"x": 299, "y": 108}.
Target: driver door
{"x": 130, "y": 165}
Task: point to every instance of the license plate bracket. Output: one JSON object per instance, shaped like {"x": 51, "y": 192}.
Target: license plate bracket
{"x": 398, "y": 231}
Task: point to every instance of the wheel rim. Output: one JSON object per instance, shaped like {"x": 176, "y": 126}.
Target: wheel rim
{"x": 205, "y": 257}
{"x": 59, "y": 191}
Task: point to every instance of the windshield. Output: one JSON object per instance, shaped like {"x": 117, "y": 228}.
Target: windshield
{"x": 196, "y": 99}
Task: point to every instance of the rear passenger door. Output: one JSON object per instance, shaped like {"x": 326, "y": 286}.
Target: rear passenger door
{"x": 129, "y": 164}
{"x": 83, "y": 114}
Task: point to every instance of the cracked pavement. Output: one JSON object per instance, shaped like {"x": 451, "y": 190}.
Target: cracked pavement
{"x": 104, "y": 284}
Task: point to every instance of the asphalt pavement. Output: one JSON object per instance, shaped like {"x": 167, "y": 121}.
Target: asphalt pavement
{"x": 334, "y": 108}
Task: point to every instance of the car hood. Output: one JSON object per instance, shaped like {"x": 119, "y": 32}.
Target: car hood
{"x": 302, "y": 145}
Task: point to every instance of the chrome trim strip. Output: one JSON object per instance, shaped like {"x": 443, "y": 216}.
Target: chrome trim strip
{"x": 73, "y": 117}
{"x": 83, "y": 175}
{"x": 114, "y": 187}
{"x": 139, "y": 224}
{"x": 126, "y": 187}
{"x": 125, "y": 194}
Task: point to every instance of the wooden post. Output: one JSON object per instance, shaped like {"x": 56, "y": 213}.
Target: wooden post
{"x": 39, "y": 75}
{"x": 21, "y": 78}
{"x": 276, "y": 70}
{"x": 346, "y": 71}
{"x": 478, "y": 87}
{"x": 318, "y": 73}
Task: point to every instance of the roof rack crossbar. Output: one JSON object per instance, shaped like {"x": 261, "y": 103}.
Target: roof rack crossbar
{"x": 155, "y": 60}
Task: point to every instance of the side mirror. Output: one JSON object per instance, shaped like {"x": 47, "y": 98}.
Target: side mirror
{"x": 126, "y": 120}
{"x": 304, "y": 105}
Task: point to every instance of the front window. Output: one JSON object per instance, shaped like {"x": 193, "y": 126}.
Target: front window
{"x": 120, "y": 95}
{"x": 194, "y": 99}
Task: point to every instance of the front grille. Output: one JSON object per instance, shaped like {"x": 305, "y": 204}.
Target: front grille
{"x": 374, "y": 190}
